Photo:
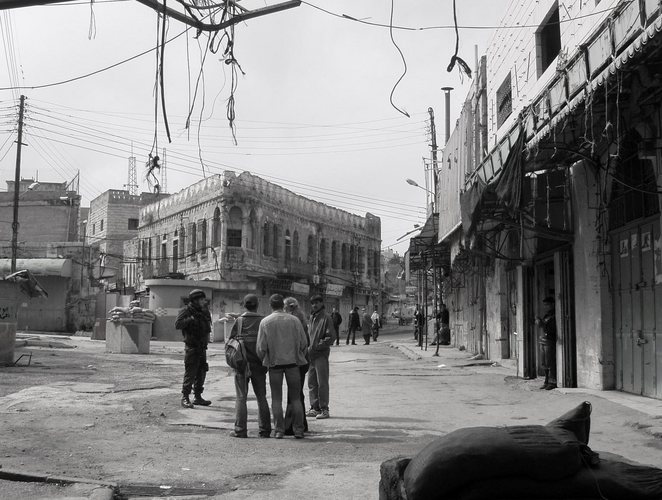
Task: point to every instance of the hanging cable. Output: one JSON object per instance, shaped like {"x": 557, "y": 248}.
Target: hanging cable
{"x": 404, "y": 62}
{"x": 455, "y": 58}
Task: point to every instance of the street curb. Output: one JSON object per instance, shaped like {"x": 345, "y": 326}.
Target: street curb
{"x": 104, "y": 490}
{"x": 410, "y": 353}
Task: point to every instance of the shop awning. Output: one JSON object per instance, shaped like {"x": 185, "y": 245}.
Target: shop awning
{"x": 39, "y": 267}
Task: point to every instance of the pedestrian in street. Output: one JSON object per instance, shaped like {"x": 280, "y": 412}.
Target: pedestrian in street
{"x": 366, "y": 326}
{"x": 292, "y": 307}
{"x": 337, "y": 321}
{"x": 281, "y": 345}
{"x": 354, "y": 325}
{"x": 322, "y": 334}
{"x": 445, "y": 325}
{"x": 245, "y": 330}
{"x": 194, "y": 321}
{"x": 419, "y": 322}
{"x": 548, "y": 342}
{"x": 376, "y": 324}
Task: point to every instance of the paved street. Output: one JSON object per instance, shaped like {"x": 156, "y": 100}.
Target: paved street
{"x": 76, "y": 411}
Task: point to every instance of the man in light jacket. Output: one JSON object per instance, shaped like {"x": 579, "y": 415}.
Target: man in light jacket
{"x": 282, "y": 344}
{"x": 322, "y": 334}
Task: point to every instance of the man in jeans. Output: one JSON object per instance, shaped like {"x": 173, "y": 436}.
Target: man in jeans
{"x": 245, "y": 330}
{"x": 322, "y": 334}
{"x": 281, "y": 344}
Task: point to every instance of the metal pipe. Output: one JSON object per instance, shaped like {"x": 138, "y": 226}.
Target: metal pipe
{"x": 447, "y": 93}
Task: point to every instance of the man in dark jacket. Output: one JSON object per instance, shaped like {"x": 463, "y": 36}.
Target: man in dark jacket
{"x": 194, "y": 321}
{"x": 548, "y": 343}
{"x": 366, "y": 326}
{"x": 354, "y": 325}
{"x": 322, "y": 334}
{"x": 337, "y": 321}
{"x": 245, "y": 330}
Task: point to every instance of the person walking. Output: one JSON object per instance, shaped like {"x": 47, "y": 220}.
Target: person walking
{"x": 245, "y": 330}
{"x": 376, "y": 324}
{"x": 548, "y": 343}
{"x": 292, "y": 307}
{"x": 194, "y": 321}
{"x": 354, "y": 324}
{"x": 366, "y": 326}
{"x": 281, "y": 345}
{"x": 322, "y": 334}
{"x": 337, "y": 321}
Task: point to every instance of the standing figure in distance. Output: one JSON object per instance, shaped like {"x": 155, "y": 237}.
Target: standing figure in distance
{"x": 376, "y": 324}
{"x": 194, "y": 321}
{"x": 337, "y": 321}
{"x": 366, "y": 326}
{"x": 354, "y": 325}
{"x": 548, "y": 343}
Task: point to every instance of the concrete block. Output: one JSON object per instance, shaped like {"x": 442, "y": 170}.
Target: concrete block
{"x": 7, "y": 342}
{"x": 99, "y": 330}
{"x": 127, "y": 337}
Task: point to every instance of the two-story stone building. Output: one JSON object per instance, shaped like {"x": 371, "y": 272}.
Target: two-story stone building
{"x": 233, "y": 234}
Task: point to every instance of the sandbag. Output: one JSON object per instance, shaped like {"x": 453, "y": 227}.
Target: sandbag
{"x": 468, "y": 455}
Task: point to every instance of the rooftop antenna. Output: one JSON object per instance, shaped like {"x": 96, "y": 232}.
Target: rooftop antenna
{"x": 132, "y": 182}
{"x": 164, "y": 175}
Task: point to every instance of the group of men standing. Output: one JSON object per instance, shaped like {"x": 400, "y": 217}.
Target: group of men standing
{"x": 368, "y": 324}
{"x": 283, "y": 345}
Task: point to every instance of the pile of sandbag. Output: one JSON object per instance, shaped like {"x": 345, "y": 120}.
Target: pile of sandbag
{"x": 132, "y": 314}
{"x": 518, "y": 462}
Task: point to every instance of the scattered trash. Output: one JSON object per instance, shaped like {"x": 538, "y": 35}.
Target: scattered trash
{"x": 164, "y": 487}
{"x": 441, "y": 366}
{"x": 185, "y": 468}
{"x": 495, "y": 364}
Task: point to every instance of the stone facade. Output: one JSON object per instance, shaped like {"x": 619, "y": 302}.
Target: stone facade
{"x": 242, "y": 229}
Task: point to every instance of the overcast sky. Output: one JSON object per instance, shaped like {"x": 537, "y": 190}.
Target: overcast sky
{"x": 312, "y": 110}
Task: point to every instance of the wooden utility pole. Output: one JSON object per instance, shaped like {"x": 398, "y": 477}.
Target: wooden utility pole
{"x": 433, "y": 145}
{"x": 17, "y": 181}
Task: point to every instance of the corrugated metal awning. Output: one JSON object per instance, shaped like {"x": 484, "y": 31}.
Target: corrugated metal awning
{"x": 39, "y": 267}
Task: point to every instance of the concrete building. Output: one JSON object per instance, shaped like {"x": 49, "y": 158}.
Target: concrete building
{"x": 113, "y": 218}
{"x": 550, "y": 187}
{"x": 48, "y": 211}
{"x": 233, "y": 234}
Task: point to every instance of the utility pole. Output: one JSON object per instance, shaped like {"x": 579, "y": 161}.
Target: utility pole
{"x": 433, "y": 133}
{"x": 17, "y": 181}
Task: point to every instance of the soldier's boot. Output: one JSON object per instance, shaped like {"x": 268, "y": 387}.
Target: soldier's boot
{"x": 186, "y": 402}
{"x": 198, "y": 400}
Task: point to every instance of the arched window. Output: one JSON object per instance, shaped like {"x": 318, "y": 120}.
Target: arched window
{"x": 310, "y": 258}
{"x": 276, "y": 243}
{"x": 334, "y": 255}
{"x": 216, "y": 228}
{"x": 345, "y": 257}
{"x": 182, "y": 243}
{"x": 296, "y": 255}
{"x": 250, "y": 237}
{"x": 266, "y": 248}
{"x": 194, "y": 240}
{"x": 352, "y": 258}
{"x": 288, "y": 246}
{"x": 323, "y": 252}
{"x": 361, "y": 259}
{"x": 234, "y": 227}
{"x": 203, "y": 237}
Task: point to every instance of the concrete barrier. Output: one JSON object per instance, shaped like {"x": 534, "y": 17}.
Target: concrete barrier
{"x": 9, "y": 295}
{"x": 126, "y": 337}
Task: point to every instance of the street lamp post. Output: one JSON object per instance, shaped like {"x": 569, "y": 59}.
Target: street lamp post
{"x": 412, "y": 182}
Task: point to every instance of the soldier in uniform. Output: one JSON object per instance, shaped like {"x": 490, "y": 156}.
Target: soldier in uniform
{"x": 548, "y": 343}
{"x": 194, "y": 321}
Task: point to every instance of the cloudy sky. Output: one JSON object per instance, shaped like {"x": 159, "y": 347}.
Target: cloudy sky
{"x": 312, "y": 110}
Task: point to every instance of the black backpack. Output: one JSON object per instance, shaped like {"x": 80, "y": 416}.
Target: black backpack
{"x": 235, "y": 352}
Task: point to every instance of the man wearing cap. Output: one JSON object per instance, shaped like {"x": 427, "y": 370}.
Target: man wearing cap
{"x": 322, "y": 334}
{"x": 281, "y": 344}
{"x": 245, "y": 330}
{"x": 548, "y": 343}
{"x": 194, "y": 321}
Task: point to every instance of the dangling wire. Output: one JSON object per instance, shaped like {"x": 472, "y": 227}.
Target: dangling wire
{"x": 92, "y": 32}
{"x": 404, "y": 62}
{"x": 161, "y": 79}
{"x": 457, "y": 59}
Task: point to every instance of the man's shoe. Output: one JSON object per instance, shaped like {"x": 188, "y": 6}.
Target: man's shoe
{"x": 264, "y": 435}
{"x": 288, "y": 432}
{"x": 550, "y": 387}
{"x": 238, "y": 435}
{"x": 201, "y": 402}
{"x": 298, "y": 436}
{"x": 312, "y": 413}
{"x": 353, "y": 343}
{"x": 544, "y": 386}
{"x": 186, "y": 402}
{"x": 279, "y": 435}
{"x": 323, "y": 414}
